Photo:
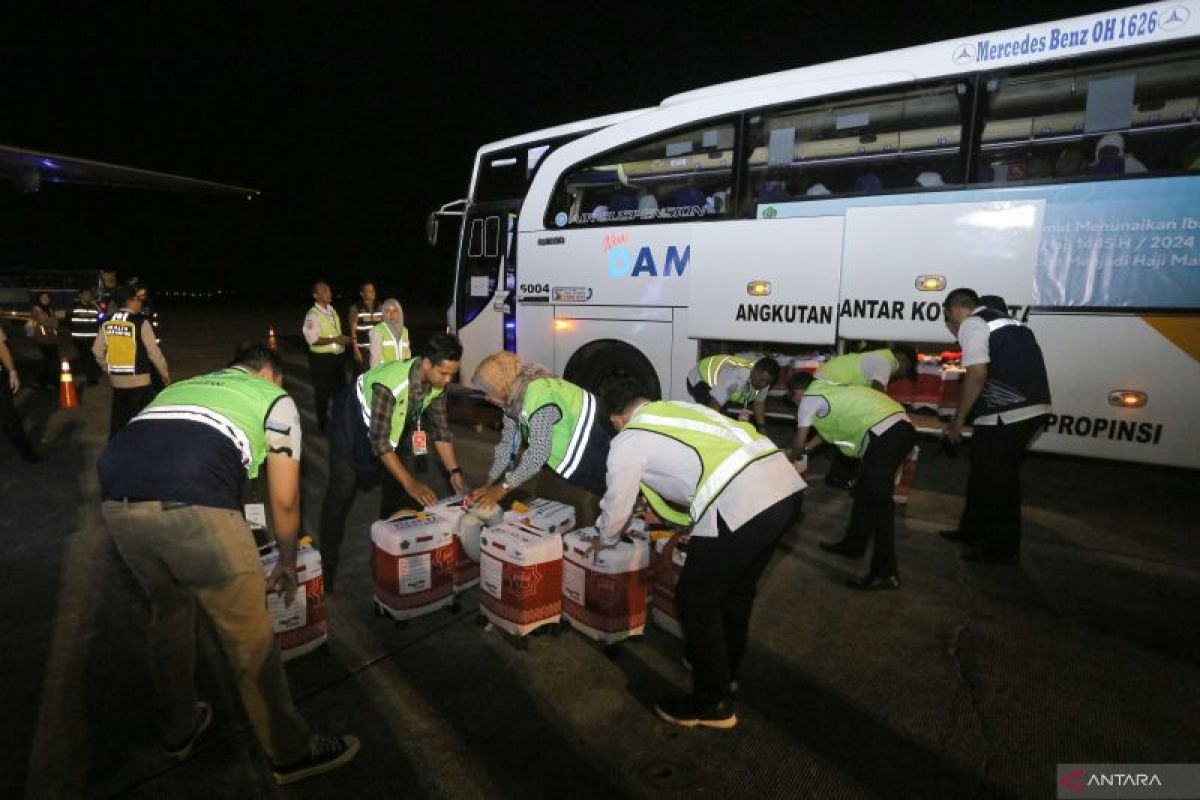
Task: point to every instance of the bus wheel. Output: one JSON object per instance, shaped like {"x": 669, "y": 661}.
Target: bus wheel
{"x": 601, "y": 364}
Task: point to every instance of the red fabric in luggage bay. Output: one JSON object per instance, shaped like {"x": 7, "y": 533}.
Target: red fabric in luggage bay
{"x": 528, "y": 594}
{"x": 386, "y": 569}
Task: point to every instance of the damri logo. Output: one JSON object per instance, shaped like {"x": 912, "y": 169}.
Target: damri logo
{"x": 624, "y": 262}
{"x": 964, "y": 54}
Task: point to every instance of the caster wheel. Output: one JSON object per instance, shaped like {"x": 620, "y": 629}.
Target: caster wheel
{"x": 378, "y": 609}
{"x": 522, "y": 643}
{"x": 482, "y": 621}
{"x": 454, "y": 607}
{"x": 610, "y": 650}
{"x": 401, "y": 624}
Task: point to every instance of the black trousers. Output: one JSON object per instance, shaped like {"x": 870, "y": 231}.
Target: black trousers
{"x": 85, "y": 363}
{"x": 716, "y": 594}
{"x": 9, "y": 421}
{"x": 991, "y": 518}
{"x": 50, "y": 365}
{"x": 328, "y": 376}
{"x": 873, "y": 512}
{"x": 843, "y": 467}
{"x": 126, "y": 404}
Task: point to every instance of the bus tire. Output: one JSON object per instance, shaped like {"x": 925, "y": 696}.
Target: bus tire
{"x": 599, "y": 364}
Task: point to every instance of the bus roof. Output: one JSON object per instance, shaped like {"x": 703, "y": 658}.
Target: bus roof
{"x": 1014, "y": 46}
{"x": 581, "y": 126}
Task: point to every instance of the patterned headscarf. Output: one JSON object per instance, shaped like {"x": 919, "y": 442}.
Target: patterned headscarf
{"x": 502, "y": 375}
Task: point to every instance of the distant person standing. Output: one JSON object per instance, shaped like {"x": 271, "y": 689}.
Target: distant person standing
{"x": 106, "y": 287}
{"x": 44, "y": 319}
{"x": 85, "y": 324}
{"x": 326, "y": 350}
{"x": 1006, "y": 396}
{"x": 127, "y": 350}
{"x": 10, "y": 384}
{"x": 363, "y": 317}
{"x": 389, "y": 339}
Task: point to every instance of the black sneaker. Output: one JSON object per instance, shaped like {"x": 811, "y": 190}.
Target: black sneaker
{"x": 685, "y": 710}
{"x": 327, "y": 753}
{"x": 203, "y": 720}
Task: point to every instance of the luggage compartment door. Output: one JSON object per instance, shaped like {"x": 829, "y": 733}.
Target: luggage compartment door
{"x": 773, "y": 280}
{"x": 991, "y": 247}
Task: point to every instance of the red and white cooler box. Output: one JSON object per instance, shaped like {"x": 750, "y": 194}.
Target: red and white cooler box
{"x": 412, "y": 560}
{"x": 520, "y": 577}
{"x": 466, "y": 568}
{"x": 668, "y": 566}
{"x": 301, "y": 627}
{"x": 904, "y": 476}
{"x": 545, "y": 515}
{"x": 605, "y": 598}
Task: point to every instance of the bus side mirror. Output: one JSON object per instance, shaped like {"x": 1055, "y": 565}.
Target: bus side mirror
{"x": 431, "y": 230}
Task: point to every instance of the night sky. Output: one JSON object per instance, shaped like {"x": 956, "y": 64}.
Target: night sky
{"x": 356, "y": 124}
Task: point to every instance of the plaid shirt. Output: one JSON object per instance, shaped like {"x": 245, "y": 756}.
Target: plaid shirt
{"x": 383, "y": 406}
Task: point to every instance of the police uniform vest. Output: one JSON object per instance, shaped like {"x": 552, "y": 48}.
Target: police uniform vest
{"x": 1016, "y": 369}
{"x": 85, "y": 321}
{"x": 393, "y": 375}
{"x": 847, "y": 370}
{"x": 725, "y": 447}
{"x": 577, "y": 415}
{"x": 125, "y": 353}
{"x": 853, "y": 411}
{"x": 393, "y": 349}
{"x": 710, "y": 372}
{"x": 233, "y": 402}
{"x": 330, "y": 326}
{"x": 363, "y": 323}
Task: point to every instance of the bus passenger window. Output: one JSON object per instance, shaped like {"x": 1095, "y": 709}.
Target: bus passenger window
{"x": 859, "y": 146}
{"x": 1132, "y": 117}
{"x": 683, "y": 175}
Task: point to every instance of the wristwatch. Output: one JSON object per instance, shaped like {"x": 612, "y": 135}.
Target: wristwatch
{"x": 456, "y": 469}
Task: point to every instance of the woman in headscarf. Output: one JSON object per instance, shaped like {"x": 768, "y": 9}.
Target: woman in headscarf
{"x": 555, "y": 420}
{"x": 389, "y": 339}
{"x": 44, "y": 321}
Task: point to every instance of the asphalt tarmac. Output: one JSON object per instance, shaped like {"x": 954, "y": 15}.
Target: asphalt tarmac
{"x": 971, "y": 681}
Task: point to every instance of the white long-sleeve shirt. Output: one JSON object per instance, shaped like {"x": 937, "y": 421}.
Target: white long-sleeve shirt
{"x": 672, "y": 469}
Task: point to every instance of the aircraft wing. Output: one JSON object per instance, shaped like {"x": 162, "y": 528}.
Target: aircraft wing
{"x": 29, "y": 169}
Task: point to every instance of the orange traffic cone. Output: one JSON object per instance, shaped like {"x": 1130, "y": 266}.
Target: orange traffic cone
{"x": 271, "y": 342}
{"x": 66, "y": 389}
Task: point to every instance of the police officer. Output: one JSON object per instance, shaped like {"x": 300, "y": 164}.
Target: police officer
{"x": 866, "y": 424}
{"x": 874, "y": 368}
{"x": 85, "y": 324}
{"x": 127, "y": 350}
{"x": 553, "y": 419}
{"x": 172, "y": 482}
{"x": 740, "y": 495}
{"x": 389, "y": 339}
{"x": 363, "y": 317}
{"x": 720, "y": 380}
{"x": 381, "y": 422}
{"x": 326, "y": 350}
{"x": 1006, "y": 396}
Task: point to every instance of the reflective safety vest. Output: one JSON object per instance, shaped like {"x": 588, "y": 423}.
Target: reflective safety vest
{"x": 710, "y": 372}
{"x": 853, "y": 410}
{"x": 331, "y": 326}
{"x": 393, "y": 375}
{"x": 123, "y": 334}
{"x": 393, "y": 350}
{"x": 363, "y": 324}
{"x": 85, "y": 321}
{"x": 847, "y": 370}
{"x": 573, "y": 431}
{"x": 233, "y": 402}
{"x": 725, "y": 446}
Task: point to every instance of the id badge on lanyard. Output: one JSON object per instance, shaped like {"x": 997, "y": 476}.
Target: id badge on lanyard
{"x": 419, "y": 444}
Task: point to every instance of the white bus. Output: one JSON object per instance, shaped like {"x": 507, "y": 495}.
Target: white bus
{"x": 1057, "y": 166}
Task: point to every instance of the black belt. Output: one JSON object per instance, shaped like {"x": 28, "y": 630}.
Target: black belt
{"x": 167, "y": 505}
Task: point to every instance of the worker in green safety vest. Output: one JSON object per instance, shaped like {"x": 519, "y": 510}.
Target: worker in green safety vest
{"x": 326, "y": 350}
{"x": 555, "y": 421}
{"x": 866, "y": 424}
{"x": 738, "y": 493}
{"x": 724, "y": 380}
{"x": 389, "y": 339}
{"x": 171, "y": 481}
{"x": 380, "y": 424}
{"x": 873, "y": 368}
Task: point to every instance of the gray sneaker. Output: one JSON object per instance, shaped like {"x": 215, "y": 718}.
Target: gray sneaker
{"x": 327, "y": 753}
{"x": 204, "y": 717}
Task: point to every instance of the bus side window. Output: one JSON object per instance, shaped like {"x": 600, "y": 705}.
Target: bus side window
{"x": 683, "y": 175}
{"x": 1129, "y": 117}
{"x": 908, "y": 140}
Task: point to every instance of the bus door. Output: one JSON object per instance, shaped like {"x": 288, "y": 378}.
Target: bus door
{"x": 483, "y": 301}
